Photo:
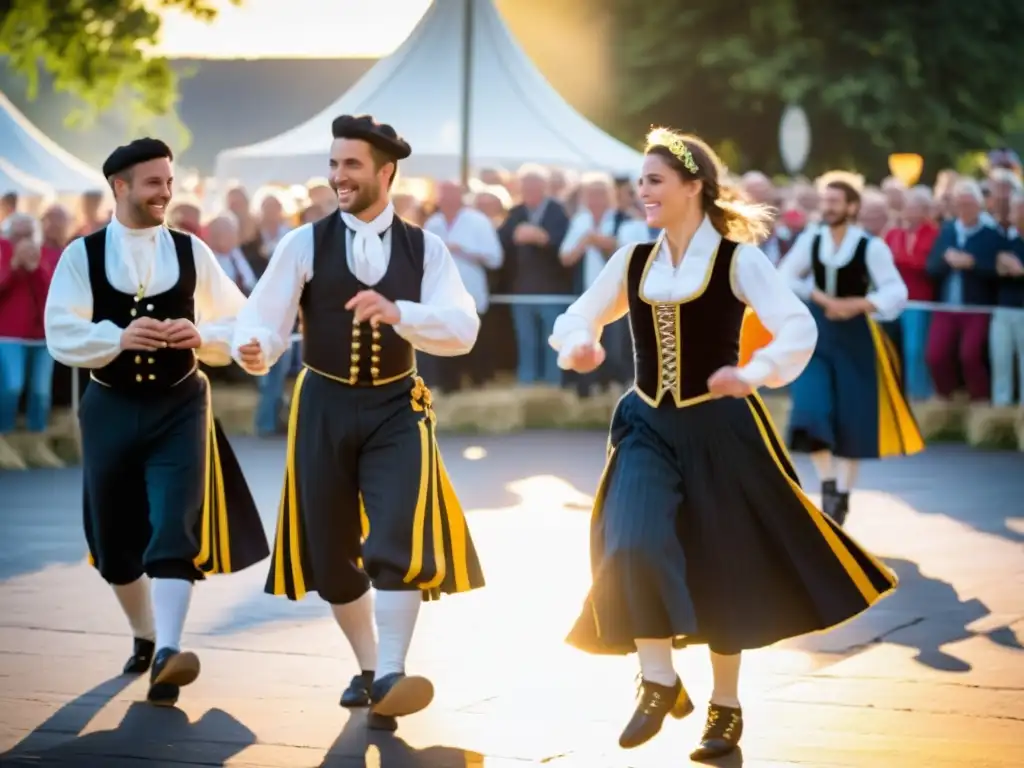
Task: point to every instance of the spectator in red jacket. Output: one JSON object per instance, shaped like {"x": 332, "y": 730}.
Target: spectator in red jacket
{"x": 910, "y": 244}
{"x": 25, "y": 363}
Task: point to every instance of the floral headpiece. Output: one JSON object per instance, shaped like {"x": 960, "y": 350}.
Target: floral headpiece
{"x": 674, "y": 143}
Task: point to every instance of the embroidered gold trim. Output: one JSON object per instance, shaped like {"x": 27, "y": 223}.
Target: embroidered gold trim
{"x": 350, "y": 382}
{"x": 668, "y": 328}
{"x": 100, "y": 381}
{"x": 666, "y": 321}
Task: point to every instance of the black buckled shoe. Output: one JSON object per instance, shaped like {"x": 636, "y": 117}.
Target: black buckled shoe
{"x": 398, "y": 695}
{"x": 358, "y": 692}
{"x": 655, "y": 701}
{"x": 722, "y": 732}
{"x": 141, "y": 658}
{"x": 171, "y": 670}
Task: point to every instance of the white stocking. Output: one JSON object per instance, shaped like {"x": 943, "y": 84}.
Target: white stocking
{"x": 356, "y": 622}
{"x": 396, "y": 612}
{"x": 656, "y": 660}
{"x": 847, "y": 474}
{"x": 726, "y": 672}
{"x": 823, "y": 465}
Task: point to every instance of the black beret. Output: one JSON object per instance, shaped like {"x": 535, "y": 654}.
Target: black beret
{"x": 380, "y": 135}
{"x": 138, "y": 151}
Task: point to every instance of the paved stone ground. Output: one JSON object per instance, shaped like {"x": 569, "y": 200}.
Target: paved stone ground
{"x": 932, "y": 677}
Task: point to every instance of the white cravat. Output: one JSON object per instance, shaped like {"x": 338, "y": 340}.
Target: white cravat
{"x": 140, "y": 246}
{"x": 369, "y": 262}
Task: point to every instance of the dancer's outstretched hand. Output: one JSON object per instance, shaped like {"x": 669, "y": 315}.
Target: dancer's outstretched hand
{"x": 586, "y": 358}
{"x": 726, "y": 382}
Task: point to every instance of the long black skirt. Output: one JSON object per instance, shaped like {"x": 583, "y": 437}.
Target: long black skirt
{"x": 848, "y": 400}
{"x": 701, "y": 533}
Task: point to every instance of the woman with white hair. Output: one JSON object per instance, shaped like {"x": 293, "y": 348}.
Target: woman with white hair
{"x": 963, "y": 264}
{"x": 911, "y": 243}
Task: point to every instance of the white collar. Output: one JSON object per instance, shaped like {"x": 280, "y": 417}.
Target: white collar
{"x": 379, "y": 225}
{"x": 120, "y": 230}
{"x": 369, "y": 261}
{"x": 704, "y": 241}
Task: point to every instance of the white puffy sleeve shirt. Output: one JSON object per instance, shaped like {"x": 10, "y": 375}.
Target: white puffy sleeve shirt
{"x": 444, "y": 322}
{"x": 135, "y": 257}
{"x": 755, "y": 282}
{"x": 888, "y": 292}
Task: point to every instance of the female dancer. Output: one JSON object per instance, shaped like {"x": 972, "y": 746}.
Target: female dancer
{"x": 701, "y": 533}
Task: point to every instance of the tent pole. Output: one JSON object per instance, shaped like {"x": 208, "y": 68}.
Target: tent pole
{"x": 467, "y": 87}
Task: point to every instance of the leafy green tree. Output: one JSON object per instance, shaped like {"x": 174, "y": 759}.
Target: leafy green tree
{"x": 97, "y": 50}
{"x": 938, "y": 77}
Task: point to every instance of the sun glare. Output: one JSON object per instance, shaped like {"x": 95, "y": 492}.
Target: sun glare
{"x": 292, "y": 29}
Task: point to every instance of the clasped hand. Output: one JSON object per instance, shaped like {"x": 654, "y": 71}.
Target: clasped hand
{"x": 843, "y": 309}
{"x": 1009, "y": 264}
{"x": 148, "y": 334}
{"x": 958, "y": 259}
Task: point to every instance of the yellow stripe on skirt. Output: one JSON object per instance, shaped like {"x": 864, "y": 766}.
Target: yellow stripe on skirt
{"x": 214, "y": 531}
{"x": 838, "y": 541}
{"x": 834, "y": 536}
{"x": 439, "y": 524}
{"x": 898, "y": 432}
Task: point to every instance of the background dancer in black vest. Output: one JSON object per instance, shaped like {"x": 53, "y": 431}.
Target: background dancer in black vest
{"x": 700, "y": 532}
{"x": 366, "y": 500}
{"x": 847, "y": 404}
{"x": 165, "y": 500}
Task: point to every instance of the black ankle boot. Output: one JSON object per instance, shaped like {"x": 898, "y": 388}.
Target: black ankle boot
{"x": 842, "y": 507}
{"x": 655, "y": 701}
{"x": 828, "y": 497}
{"x": 722, "y": 732}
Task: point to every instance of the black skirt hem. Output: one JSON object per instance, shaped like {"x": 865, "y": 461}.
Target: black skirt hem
{"x": 701, "y": 533}
{"x": 588, "y": 642}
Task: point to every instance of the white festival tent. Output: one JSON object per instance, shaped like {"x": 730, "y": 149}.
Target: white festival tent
{"x": 516, "y": 116}
{"x": 35, "y": 155}
{"x": 19, "y": 182}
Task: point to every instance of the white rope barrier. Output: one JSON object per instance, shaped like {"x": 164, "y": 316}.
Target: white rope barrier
{"x": 548, "y": 299}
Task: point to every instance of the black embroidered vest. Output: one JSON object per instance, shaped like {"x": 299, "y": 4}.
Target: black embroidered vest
{"x": 678, "y": 345}
{"x": 135, "y": 371}
{"x": 853, "y": 280}
{"x": 335, "y": 345}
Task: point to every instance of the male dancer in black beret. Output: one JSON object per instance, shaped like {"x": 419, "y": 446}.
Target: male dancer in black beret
{"x": 165, "y": 500}
{"x": 367, "y": 501}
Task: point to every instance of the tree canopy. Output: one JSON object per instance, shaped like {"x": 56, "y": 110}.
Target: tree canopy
{"x": 938, "y": 78}
{"x": 98, "y": 50}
